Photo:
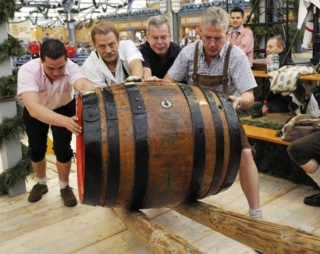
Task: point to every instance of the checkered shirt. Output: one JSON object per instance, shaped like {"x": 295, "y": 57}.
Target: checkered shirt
{"x": 240, "y": 77}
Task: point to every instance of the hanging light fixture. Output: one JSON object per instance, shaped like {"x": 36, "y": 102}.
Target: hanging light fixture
{"x": 163, "y": 6}
{"x": 175, "y": 6}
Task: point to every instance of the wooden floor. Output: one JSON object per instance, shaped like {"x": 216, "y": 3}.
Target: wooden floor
{"x": 49, "y": 227}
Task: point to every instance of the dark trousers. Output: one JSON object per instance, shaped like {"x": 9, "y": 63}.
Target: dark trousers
{"x": 37, "y": 133}
{"x": 304, "y": 149}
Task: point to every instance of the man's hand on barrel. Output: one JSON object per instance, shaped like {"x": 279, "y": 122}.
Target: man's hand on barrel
{"x": 236, "y": 102}
{"x": 132, "y": 79}
{"x": 72, "y": 125}
{"x": 153, "y": 78}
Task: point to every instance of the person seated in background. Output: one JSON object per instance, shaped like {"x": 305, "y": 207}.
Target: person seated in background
{"x": 159, "y": 52}
{"x": 276, "y": 102}
{"x": 71, "y": 50}
{"x": 305, "y": 152}
{"x": 34, "y": 48}
{"x": 277, "y": 44}
{"x": 239, "y": 35}
{"x": 82, "y": 50}
{"x": 114, "y": 60}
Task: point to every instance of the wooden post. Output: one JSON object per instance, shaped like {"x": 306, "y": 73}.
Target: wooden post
{"x": 260, "y": 235}
{"x": 10, "y": 150}
{"x": 153, "y": 236}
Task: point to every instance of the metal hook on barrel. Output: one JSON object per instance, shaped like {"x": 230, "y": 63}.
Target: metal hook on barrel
{"x": 166, "y": 104}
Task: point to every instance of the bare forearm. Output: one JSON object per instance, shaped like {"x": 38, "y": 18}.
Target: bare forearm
{"x": 50, "y": 117}
{"x": 244, "y": 101}
{"x": 136, "y": 68}
{"x": 247, "y": 100}
{"x": 167, "y": 78}
{"x": 146, "y": 73}
{"x": 83, "y": 84}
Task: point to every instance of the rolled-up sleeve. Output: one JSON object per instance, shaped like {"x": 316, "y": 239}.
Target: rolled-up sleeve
{"x": 130, "y": 51}
{"x": 91, "y": 70}
{"x": 27, "y": 81}
{"x": 75, "y": 72}
{"x": 180, "y": 67}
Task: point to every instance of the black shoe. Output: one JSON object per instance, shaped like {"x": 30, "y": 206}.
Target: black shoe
{"x": 313, "y": 200}
{"x": 68, "y": 197}
{"x": 37, "y": 191}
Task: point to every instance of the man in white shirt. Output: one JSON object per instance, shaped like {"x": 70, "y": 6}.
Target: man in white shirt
{"x": 114, "y": 60}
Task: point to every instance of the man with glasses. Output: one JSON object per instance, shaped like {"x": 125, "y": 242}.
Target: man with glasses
{"x": 158, "y": 51}
{"x": 215, "y": 64}
{"x": 114, "y": 60}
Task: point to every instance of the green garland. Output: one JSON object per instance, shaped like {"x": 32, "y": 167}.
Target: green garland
{"x": 7, "y": 10}
{"x": 7, "y": 90}
{"x": 11, "y": 127}
{"x": 20, "y": 171}
{"x": 10, "y": 47}
{"x": 269, "y": 125}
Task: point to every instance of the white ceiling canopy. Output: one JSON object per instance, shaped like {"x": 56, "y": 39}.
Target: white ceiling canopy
{"x": 43, "y": 13}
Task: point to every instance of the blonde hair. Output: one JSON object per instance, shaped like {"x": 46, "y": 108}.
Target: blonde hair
{"x": 104, "y": 28}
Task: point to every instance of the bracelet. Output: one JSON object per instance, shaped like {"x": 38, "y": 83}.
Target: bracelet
{"x": 240, "y": 102}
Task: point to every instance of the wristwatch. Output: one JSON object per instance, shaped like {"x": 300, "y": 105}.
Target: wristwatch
{"x": 240, "y": 103}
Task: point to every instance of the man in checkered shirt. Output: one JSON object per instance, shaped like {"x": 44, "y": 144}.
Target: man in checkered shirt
{"x": 210, "y": 55}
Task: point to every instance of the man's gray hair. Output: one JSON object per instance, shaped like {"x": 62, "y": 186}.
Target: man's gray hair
{"x": 215, "y": 17}
{"x": 157, "y": 21}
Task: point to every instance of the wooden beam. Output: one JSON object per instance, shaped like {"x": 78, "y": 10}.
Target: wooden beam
{"x": 260, "y": 235}
{"x": 155, "y": 238}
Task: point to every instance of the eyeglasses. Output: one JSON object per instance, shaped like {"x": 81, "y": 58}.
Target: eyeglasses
{"x": 161, "y": 38}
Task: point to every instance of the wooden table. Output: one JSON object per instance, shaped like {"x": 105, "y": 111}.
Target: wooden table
{"x": 263, "y": 74}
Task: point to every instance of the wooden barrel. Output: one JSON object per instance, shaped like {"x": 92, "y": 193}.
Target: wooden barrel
{"x": 156, "y": 144}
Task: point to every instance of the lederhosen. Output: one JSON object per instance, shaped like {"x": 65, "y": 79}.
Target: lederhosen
{"x": 210, "y": 81}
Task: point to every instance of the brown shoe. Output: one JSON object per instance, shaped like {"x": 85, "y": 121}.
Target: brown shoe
{"x": 68, "y": 197}
{"x": 37, "y": 191}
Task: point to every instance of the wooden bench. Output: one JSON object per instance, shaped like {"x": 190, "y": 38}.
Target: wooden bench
{"x": 263, "y": 74}
{"x": 263, "y": 134}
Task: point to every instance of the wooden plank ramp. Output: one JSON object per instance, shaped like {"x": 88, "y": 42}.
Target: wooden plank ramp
{"x": 49, "y": 227}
